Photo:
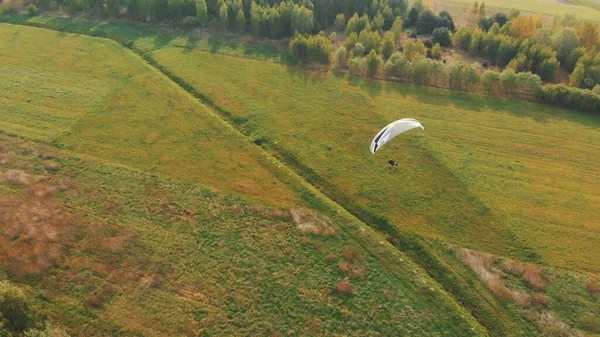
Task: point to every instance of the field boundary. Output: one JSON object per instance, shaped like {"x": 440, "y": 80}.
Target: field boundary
{"x": 411, "y": 244}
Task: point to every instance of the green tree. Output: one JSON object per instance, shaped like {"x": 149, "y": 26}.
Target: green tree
{"x": 548, "y": 69}
{"x": 202, "y": 12}
{"x": 340, "y": 22}
{"x": 441, "y": 36}
{"x": 224, "y": 17}
{"x": 373, "y": 63}
{"x": 388, "y": 46}
{"x": 240, "y": 20}
{"x": 490, "y": 81}
{"x": 378, "y": 22}
{"x": 340, "y": 57}
{"x": 564, "y": 42}
{"x": 302, "y": 20}
{"x": 427, "y": 21}
{"x": 397, "y": 28}
{"x": 436, "y": 51}
{"x": 370, "y": 40}
{"x": 411, "y": 18}
{"x": 350, "y": 41}
{"x": 414, "y": 50}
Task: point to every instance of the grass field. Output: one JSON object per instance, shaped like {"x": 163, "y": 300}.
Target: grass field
{"x": 585, "y": 9}
{"x": 498, "y": 175}
{"x": 102, "y": 100}
{"x": 148, "y": 256}
{"x": 120, "y": 251}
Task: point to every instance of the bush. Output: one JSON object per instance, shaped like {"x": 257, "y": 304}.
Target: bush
{"x": 358, "y": 66}
{"x": 358, "y": 50}
{"x": 411, "y": 33}
{"x": 436, "y": 51}
{"x": 340, "y": 22}
{"x": 427, "y": 22}
{"x": 32, "y": 9}
{"x": 442, "y": 36}
{"x": 189, "y": 22}
{"x": 428, "y": 43}
{"x": 343, "y": 287}
{"x": 53, "y": 6}
{"x": 340, "y": 58}
{"x": 16, "y": 315}
{"x": 593, "y": 287}
{"x": 567, "y": 97}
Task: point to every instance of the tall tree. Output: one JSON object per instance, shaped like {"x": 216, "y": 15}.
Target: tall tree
{"x": 589, "y": 35}
{"x": 223, "y": 17}
{"x": 202, "y": 12}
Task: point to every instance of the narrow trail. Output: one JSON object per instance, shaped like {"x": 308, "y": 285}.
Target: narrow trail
{"x": 368, "y": 236}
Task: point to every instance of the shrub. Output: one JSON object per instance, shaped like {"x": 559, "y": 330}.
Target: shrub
{"x": 189, "y": 22}
{"x": 411, "y": 33}
{"x": 427, "y": 22}
{"x": 340, "y": 58}
{"x": 343, "y": 287}
{"x": 349, "y": 253}
{"x": 428, "y": 43}
{"x": 358, "y": 66}
{"x": 436, "y": 51}
{"x": 490, "y": 81}
{"x": 53, "y": 6}
{"x": 592, "y": 286}
{"x": 340, "y": 22}
{"x": 16, "y": 315}
{"x": 358, "y": 50}
{"x": 442, "y": 36}
{"x": 32, "y": 9}
{"x": 540, "y": 299}
{"x": 330, "y": 257}
{"x": 567, "y": 97}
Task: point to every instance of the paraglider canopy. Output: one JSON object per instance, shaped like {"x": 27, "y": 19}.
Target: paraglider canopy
{"x": 392, "y": 130}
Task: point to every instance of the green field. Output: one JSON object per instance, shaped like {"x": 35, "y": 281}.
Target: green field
{"x": 498, "y": 175}
{"x": 179, "y": 222}
{"x": 146, "y": 255}
{"x": 102, "y": 100}
{"x": 585, "y": 9}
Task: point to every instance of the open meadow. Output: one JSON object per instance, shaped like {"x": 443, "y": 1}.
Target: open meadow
{"x": 503, "y": 176}
{"x": 109, "y": 249}
{"x": 585, "y": 9}
{"x": 189, "y": 185}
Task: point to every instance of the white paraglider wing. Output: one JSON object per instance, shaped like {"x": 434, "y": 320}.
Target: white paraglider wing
{"x": 392, "y": 130}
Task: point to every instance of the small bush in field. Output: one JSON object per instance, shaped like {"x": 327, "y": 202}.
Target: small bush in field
{"x": 349, "y": 253}
{"x": 540, "y": 299}
{"x": 593, "y": 287}
{"x": 330, "y": 257}
{"x": 343, "y": 287}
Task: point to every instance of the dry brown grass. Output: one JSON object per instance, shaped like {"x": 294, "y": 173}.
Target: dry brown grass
{"x": 308, "y": 221}
{"x": 32, "y": 229}
{"x": 550, "y": 325}
{"x": 343, "y": 287}
{"x": 51, "y": 165}
{"x": 531, "y": 274}
{"x": 349, "y": 253}
{"x": 330, "y": 257}
{"x": 592, "y": 286}
{"x": 304, "y": 240}
{"x": 314, "y": 325}
{"x": 344, "y": 266}
{"x": 481, "y": 264}
{"x": 540, "y": 299}
{"x": 17, "y": 177}
{"x": 287, "y": 251}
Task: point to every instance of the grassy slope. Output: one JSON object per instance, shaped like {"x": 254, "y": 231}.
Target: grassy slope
{"x": 99, "y": 99}
{"x": 498, "y": 175}
{"x": 134, "y": 267}
{"x": 223, "y": 268}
